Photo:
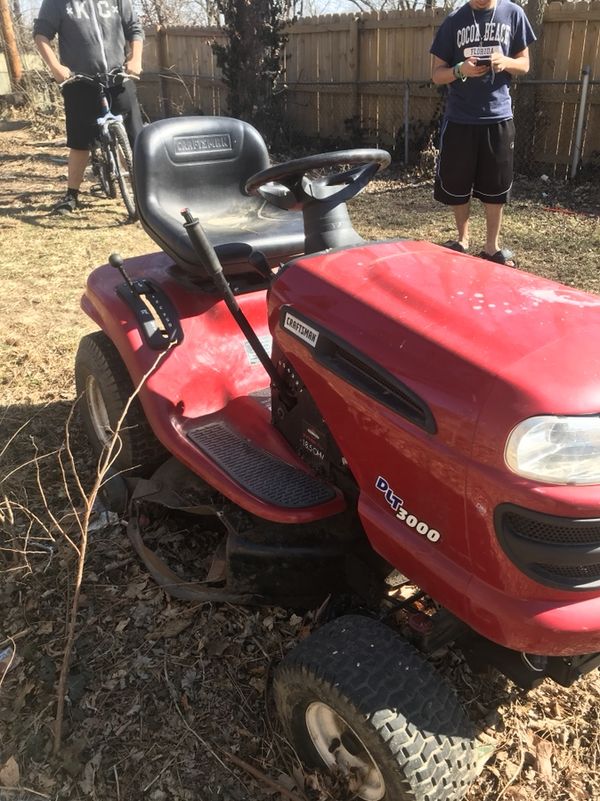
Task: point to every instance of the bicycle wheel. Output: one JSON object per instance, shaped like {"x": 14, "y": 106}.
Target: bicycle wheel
{"x": 123, "y": 166}
{"x": 101, "y": 170}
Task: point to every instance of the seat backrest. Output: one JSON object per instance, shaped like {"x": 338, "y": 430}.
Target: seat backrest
{"x": 203, "y": 163}
{"x": 200, "y": 162}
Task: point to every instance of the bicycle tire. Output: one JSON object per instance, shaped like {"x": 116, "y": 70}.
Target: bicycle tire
{"x": 101, "y": 170}
{"x": 105, "y": 146}
{"x": 123, "y": 164}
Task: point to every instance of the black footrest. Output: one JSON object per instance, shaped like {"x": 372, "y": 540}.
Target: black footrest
{"x": 265, "y": 476}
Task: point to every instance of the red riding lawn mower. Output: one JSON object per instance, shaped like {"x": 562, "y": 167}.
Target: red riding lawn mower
{"x": 389, "y": 420}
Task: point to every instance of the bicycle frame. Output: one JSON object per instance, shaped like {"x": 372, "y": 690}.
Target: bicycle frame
{"x": 107, "y": 117}
{"x": 105, "y": 164}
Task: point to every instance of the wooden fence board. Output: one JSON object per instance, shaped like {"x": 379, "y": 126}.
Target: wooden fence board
{"x": 352, "y": 55}
{"x": 591, "y": 145}
{"x": 577, "y": 49}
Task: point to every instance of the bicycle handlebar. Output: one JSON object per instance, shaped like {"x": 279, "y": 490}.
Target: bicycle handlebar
{"x": 99, "y": 78}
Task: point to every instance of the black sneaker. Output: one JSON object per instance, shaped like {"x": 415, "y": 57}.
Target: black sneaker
{"x": 65, "y": 205}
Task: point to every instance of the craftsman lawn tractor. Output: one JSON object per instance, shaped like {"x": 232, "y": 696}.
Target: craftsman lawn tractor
{"x": 389, "y": 421}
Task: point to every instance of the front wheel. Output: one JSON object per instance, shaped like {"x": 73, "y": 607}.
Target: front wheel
{"x": 357, "y": 699}
{"x": 103, "y": 388}
{"x": 101, "y": 170}
{"x": 123, "y": 163}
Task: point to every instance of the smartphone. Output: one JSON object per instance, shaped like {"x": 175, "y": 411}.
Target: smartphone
{"x": 483, "y": 62}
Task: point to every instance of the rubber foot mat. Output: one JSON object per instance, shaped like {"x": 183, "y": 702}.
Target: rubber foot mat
{"x": 259, "y": 473}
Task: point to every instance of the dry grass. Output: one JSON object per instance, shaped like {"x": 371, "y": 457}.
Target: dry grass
{"x": 161, "y": 692}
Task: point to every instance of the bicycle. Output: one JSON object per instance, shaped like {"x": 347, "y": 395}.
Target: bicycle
{"x": 111, "y": 156}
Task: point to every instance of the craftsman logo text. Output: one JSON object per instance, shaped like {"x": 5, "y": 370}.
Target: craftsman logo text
{"x": 202, "y": 144}
{"x": 303, "y": 331}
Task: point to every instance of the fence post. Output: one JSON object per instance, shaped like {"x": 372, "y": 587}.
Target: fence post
{"x": 585, "y": 80}
{"x": 355, "y": 66}
{"x": 406, "y": 120}
{"x": 161, "y": 51}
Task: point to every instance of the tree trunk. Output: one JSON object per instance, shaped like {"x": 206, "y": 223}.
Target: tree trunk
{"x": 251, "y": 61}
{"x": 13, "y": 58}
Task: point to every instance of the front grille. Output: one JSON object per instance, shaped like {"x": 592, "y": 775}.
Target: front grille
{"x": 575, "y": 532}
{"x": 583, "y": 572}
{"x": 557, "y": 551}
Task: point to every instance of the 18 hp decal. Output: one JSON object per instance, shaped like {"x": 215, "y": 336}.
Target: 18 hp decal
{"x": 397, "y": 505}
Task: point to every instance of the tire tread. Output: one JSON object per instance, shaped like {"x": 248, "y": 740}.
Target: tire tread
{"x": 97, "y": 355}
{"x": 355, "y": 657}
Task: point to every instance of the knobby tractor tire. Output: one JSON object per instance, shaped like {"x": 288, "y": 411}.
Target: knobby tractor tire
{"x": 389, "y": 706}
{"x": 103, "y": 388}
{"x": 123, "y": 161}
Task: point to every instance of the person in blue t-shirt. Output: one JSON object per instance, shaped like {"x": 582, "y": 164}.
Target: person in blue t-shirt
{"x": 476, "y": 51}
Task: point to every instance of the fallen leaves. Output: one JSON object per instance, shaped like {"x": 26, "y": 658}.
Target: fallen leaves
{"x": 543, "y": 758}
{"x": 10, "y": 775}
{"x": 171, "y": 629}
{"x": 220, "y": 658}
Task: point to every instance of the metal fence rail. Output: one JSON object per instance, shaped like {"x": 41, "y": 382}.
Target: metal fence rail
{"x": 554, "y": 119}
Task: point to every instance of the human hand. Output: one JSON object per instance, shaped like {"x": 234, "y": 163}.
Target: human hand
{"x": 499, "y": 62}
{"x": 133, "y": 66}
{"x": 60, "y": 73}
{"x": 471, "y": 70}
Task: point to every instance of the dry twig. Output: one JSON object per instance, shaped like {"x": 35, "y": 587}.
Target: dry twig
{"x": 89, "y": 500}
{"x": 262, "y": 777}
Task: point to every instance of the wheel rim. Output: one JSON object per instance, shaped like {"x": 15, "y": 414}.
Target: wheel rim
{"x": 340, "y": 746}
{"x": 98, "y": 413}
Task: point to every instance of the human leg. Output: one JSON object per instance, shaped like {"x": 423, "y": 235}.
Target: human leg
{"x": 454, "y": 177}
{"x": 77, "y": 163}
{"x": 461, "y": 218}
{"x": 493, "y": 221}
{"x": 81, "y": 110}
{"x": 493, "y": 183}
{"x": 124, "y": 101}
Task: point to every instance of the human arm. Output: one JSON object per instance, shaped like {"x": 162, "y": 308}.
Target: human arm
{"x": 517, "y": 65}
{"x": 45, "y": 27}
{"x": 59, "y": 72}
{"x": 134, "y": 36}
{"x": 443, "y": 73}
{"x": 133, "y": 65}
{"x": 517, "y": 62}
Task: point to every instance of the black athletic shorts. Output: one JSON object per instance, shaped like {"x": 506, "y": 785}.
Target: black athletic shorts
{"x": 475, "y": 160}
{"x": 82, "y": 109}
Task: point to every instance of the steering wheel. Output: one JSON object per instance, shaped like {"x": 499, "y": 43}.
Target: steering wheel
{"x": 287, "y": 186}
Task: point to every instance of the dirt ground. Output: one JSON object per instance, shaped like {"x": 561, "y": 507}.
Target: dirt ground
{"x": 166, "y": 700}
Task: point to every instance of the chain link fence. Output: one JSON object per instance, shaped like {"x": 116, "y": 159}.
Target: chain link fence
{"x": 404, "y": 117}
{"x": 401, "y": 116}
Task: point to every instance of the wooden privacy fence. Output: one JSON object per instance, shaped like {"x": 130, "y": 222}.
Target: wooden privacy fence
{"x": 366, "y": 79}
{"x": 181, "y": 73}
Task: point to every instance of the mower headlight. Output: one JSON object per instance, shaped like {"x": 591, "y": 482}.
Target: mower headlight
{"x": 559, "y": 450}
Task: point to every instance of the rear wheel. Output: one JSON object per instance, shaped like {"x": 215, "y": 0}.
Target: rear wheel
{"x": 103, "y": 388}
{"x": 123, "y": 160}
{"x": 356, "y": 698}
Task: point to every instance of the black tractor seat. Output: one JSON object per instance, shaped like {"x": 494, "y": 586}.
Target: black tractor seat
{"x": 202, "y": 163}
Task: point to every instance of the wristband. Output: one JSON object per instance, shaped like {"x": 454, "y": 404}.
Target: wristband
{"x": 458, "y": 72}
